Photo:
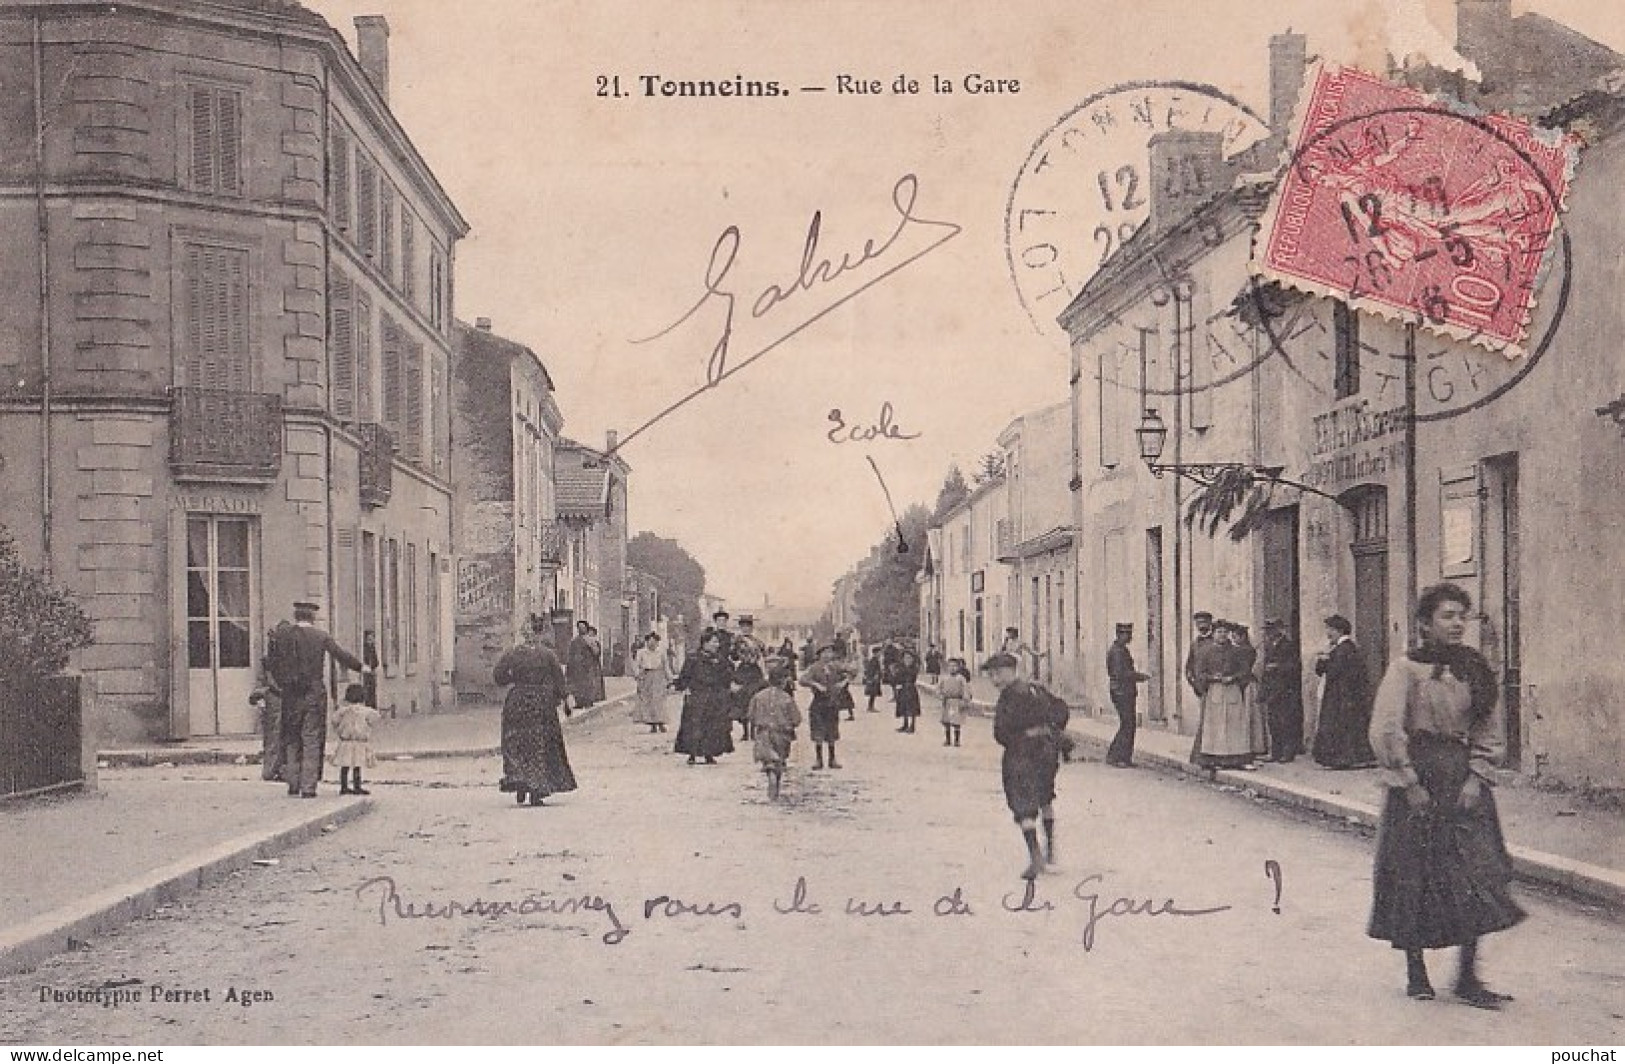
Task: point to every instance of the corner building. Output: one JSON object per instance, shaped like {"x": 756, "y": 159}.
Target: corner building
{"x": 226, "y": 339}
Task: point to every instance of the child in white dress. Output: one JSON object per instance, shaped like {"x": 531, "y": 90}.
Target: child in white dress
{"x": 353, "y": 721}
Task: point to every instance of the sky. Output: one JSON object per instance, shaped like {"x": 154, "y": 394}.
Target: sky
{"x": 600, "y": 221}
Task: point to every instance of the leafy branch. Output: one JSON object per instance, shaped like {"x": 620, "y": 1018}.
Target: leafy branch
{"x": 1239, "y": 496}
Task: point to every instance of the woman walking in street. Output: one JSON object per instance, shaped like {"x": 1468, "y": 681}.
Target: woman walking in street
{"x": 706, "y": 727}
{"x": 652, "y": 666}
{"x": 1341, "y": 739}
{"x": 534, "y": 761}
{"x": 907, "y": 678}
{"x": 953, "y": 689}
{"x": 1442, "y": 870}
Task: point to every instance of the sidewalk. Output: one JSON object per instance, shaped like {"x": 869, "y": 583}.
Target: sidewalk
{"x": 461, "y": 733}
{"x": 1556, "y": 839}
{"x": 90, "y": 862}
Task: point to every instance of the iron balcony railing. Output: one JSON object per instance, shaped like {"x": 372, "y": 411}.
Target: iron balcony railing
{"x": 219, "y": 434}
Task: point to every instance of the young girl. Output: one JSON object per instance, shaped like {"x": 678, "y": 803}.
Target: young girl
{"x": 774, "y": 718}
{"x": 953, "y": 689}
{"x": 353, "y": 722}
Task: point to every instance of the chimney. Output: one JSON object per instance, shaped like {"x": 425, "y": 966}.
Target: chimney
{"x": 1289, "y": 54}
{"x": 372, "y": 50}
{"x": 611, "y": 438}
{"x": 1187, "y": 169}
{"x": 482, "y": 324}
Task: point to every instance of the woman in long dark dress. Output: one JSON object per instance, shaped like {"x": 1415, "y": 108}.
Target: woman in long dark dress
{"x": 706, "y": 727}
{"x": 1345, "y": 706}
{"x": 1442, "y": 875}
{"x": 534, "y": 761}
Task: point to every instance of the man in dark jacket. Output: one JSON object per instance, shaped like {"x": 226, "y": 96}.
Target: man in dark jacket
{"x": 1280, "y": 686}
{"x": 1028, "y": 722}
{"x": 298, "y": 662}
{"x": 1123, "y": 681}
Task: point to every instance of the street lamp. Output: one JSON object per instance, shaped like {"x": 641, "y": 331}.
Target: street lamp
{"x": 1153, "y": 434}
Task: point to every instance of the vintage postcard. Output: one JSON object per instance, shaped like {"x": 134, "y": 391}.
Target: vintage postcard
{"x": 763, "y": 522}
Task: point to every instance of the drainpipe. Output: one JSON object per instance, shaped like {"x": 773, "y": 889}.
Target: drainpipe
{"x": 1410, "y": 484}
{"x": 44, "y": 222}
{"x": 1181, "y": 575}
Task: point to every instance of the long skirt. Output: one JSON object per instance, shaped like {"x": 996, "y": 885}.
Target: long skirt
{"x": 773, "y": 746}
{"x": 651, "y": 705}
{"x": 1442, "y": 875}
{"x": 533, "y": 754}
{"x": 1224, "y": 732}
{"x": 1028, "y": 771}
{"x": 1258, "y": 730}
{"x": 706, "y": 727}
{"x": 908, "y": 700}
{"x": 1342, "y": 736}
{"x": 824, "y": 720}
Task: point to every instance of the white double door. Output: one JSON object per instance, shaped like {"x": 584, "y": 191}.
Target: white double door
{"x": 222, "y": 593}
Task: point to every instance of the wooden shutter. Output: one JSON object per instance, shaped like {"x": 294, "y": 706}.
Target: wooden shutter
{"x": 394, "y": 390}
{"x": 339, "y": 182}
{"x": 216, "y": 330}
{"x": 229, "y": 141}
{"x": 413, "y": 444}
{"x": 437, "y": 414}
{"x": 408, "y": 255}
{"x": 366, "y": 204}
{"x": 203, "y": 138}
{"x": 386, "y": 230}
{"x": 341, "y": 334}
{"x": 364, "y": 371}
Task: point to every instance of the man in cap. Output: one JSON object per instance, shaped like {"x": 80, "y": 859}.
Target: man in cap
{"x": 1028, "y": 722}
{"x": 1280, "y": 688}
{"x": 1123, "y": 681}
{"x": 297, "y": 660}
{"x": 1200, "y": 659}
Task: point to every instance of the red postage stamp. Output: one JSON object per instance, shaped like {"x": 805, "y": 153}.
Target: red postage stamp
{"x": 1398, "y": 204}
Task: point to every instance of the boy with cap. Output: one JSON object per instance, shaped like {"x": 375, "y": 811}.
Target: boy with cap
{"x": 1028, "y": 722}
{"x": 1123, "y": 680}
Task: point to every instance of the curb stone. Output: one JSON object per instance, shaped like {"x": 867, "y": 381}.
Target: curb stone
{"x": 25, "y": 946}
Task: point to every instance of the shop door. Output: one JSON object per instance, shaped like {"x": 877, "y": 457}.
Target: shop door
{"x": 221, "y": 595}
{"x": 1279, "y": 595}
{"x": 1501, "y": 638}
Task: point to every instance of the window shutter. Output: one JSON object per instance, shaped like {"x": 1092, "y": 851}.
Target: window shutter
{"x": 437, "y": 414}
{"x": 192, "y": 278}
{"x": 409, "y": 241}
{"x": 341, "y": 346}
{"x": 203, "y": 136}
{"x": 366, "y": 204}
{"x": 363, "y": 360}
{"x": 339, "y": 183}
{"x": 394, "y": 397}
{"x": 229, "y": 140}
{"x": 386, "y": 231}
{"x": 414, "y": 402}
{"x": 236, "y": 365}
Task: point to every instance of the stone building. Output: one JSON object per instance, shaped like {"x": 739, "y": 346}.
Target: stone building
{"x": 510, "y": 544}
{"x": 1426, "y": 458}
{"x": 970, "y": 603}
{"x": 591, "y": 490}
{"x": 226, "y": 347}
{"x": 1037, "y": 548}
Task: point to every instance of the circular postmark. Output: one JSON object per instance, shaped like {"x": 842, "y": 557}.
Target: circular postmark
{"x": 1085, "y": 186}
{"x": 1453, "y": 375}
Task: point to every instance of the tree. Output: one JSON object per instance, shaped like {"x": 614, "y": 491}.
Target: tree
{"x": 682, "y": 579}
{"x": 1247, "y": 489}
{"x": 887, "y": 599}
{"x": 989, "y": 467}
{"x": 40, "y": 623}
{"x": 954, "y": 491}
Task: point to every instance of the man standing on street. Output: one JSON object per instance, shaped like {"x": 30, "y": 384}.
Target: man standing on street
{"x": 1201, "y": 649}
{"x": 1028, "y": 723}
{"x": 298, "y": 662}
{"x": 1281, "y": 689}
{"x": 582, "y": 667}
{"x": 271, "y": 705}
{"x": 1124, "y": 682}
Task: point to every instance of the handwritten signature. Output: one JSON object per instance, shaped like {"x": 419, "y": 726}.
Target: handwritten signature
{"x": 816, "y": 271}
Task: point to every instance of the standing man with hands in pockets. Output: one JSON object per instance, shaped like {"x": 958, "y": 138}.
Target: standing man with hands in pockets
{"x": 1124, "y": 681}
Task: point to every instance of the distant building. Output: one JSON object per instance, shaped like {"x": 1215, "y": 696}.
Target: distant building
{"x": 227, "y": 336}
{"x": 1037, "y": 543}
{"x": 775, "y": 624}
{"x": 510, "y": 546}
{"x": 591, "y": 502}
{"x": 970, "y": 584}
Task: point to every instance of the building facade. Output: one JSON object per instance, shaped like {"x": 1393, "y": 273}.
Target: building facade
{"x": 972, "y": 608}
{"x": 1424, "y": 458}
{"x": 510, "y": 546}
{"x": 1037, "y": 547}
{"x": 227, "y": 351}
{"x": 591, "y": 510}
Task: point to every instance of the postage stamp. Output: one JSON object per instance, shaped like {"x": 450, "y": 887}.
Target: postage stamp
{"x": 1402, "y": 206}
